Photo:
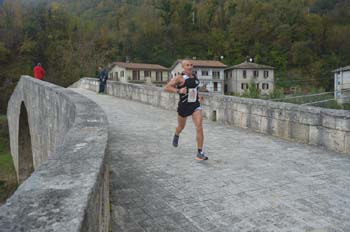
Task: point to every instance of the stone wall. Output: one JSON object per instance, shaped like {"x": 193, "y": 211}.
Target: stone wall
{"x": 306, "y": 124}
{"x": 59, "y": 147}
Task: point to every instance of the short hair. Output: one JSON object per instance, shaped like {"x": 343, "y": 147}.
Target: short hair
{"x": 186, "y": 59}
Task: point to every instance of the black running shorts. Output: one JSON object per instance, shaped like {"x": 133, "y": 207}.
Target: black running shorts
{"x": 187, "y": 109}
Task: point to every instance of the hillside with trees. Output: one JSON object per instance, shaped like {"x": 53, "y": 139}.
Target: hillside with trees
{"x": 303, "y": 39}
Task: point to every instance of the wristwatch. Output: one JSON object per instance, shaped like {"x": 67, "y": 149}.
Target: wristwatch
{"x": 177, "y": 90}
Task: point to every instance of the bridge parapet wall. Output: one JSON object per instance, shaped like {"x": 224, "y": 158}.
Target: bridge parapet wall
{"x": 306, "y": 124}
{"x": 67, "y": 188}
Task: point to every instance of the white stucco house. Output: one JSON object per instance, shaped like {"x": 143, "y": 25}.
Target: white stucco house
{"x": 342, "y": 84}
{"x": 209, "y": 72}
{"x": 153, "y": 74}
{"x": 239, "y": 77}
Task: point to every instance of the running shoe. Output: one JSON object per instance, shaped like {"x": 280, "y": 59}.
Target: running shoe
{"x": 176, "y": 140}
{"x": 201, "y": 156}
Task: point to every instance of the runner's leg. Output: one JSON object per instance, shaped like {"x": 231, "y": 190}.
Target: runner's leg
{"x": 198, "y": 121}
{"x": 181, "y": 123}
{"x": 179, "y": 128}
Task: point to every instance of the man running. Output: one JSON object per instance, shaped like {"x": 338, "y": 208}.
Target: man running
{"x": 187, "y": 86}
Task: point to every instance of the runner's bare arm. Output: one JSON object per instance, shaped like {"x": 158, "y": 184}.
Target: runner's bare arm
{"x": 171, "y": 86}
{"x": 201, "y": 98}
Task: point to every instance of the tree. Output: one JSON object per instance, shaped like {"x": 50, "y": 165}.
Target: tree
{"x": 252, "y": 91}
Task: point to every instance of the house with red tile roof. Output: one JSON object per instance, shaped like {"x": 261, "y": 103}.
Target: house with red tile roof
{"x": 209, "y": 72}
{"x": 139, "y": 73}
{"x": 240, "y": 76}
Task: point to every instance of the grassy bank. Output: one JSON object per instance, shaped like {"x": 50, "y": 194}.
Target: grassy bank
{"x": 8, "y": 182}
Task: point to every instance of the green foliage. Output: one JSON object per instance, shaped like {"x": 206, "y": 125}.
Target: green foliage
{"x": 7, "y": 172}
{"x": 8, "y": 182}
{"x": 252, "y": 91}
{"x": 6, "y": 164}
{"x": 4, "y": 135}
{"x": 276, "y": 93}
{"x": 4, "y": 53}
{"x": 303, "y": 40}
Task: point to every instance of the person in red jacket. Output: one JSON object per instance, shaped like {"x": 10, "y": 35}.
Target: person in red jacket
{"x": 39, "y": 72}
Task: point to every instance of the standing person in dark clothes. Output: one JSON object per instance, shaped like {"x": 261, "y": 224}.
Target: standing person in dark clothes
{"x": 102, "y": 76}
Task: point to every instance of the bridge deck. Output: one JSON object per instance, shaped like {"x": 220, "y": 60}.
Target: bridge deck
{"x": 252, "y": 182}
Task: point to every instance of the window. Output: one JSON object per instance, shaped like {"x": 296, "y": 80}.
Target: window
{"x": 215, "y": 86}
{"x": 147, "y": 74}
{"x": 205, "y": 73}
{"x": 216, "y": 75}
{"x": 111, "y": 75}
{"x": 265, "y": 86}
{"x": 122, "y": 74}
{"x": 116, "y": 76}
{"x": 266, "y": 74}
{"x": 159, "y": 76}
{"x": 256, "y": 73}
{"x": 228, "y": 75}
{"x": 244, "y": 86}
{"x": 257, "y": 86}
{"x": 244, "y": 74}
{"x": 135, "y": 75}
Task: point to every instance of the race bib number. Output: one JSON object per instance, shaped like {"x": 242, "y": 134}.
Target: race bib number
{"x": 192, "y": 95}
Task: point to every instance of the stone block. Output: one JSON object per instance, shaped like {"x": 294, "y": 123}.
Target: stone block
{"x": 260, "y": 110}
{"x": 299, "y": 132}
{"x": 347, "y": 142}
{"x": 206, "y": 113}
{"x": 279, "y": 114}
{"x": 333, "y": 139}
{"x": 255, "y": 122}
{"x": 309, "y": 118}
{"x": 264, "y": 125}
{"x": 328, "y": 121}
{"x": 244, "y": 120}
{"x": 245, "y": 109}
{"x": 280, "y": 128}
{"x": 229, "y": 118}
{"x": 315, "y": 135}
{"x": 342, "y": 123}
{"x": 237, "y": 118}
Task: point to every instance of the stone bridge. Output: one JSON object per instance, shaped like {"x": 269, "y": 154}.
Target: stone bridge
{"x": 262, "y": 175}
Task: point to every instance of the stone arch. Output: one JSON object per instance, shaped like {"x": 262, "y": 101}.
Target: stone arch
{"x": 25, "y": 154}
